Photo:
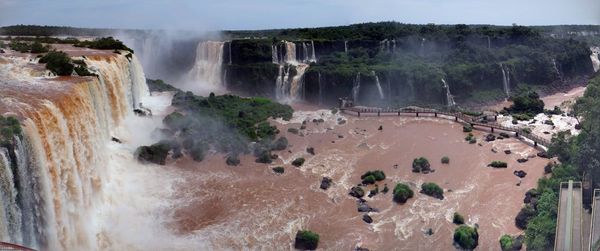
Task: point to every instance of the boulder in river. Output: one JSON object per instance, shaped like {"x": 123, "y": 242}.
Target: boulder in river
{"x": 326, "y": 183}
{"x": 366, "y": 218}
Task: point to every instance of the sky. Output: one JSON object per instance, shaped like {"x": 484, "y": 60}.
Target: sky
{"x": 266, "y": 14}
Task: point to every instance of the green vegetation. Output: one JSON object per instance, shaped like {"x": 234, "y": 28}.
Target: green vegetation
{"x": 458, "y": 219}
{"x": 306, "y": 240}
{"x": 105, "y": 43}
{"x": 298, "y": 162}
{"x": 371, "y": 177}
{"x": 421, "y": 165}
{"x": 498, "y": 164}
{"x": 432, "y": 190}
{"x": 58, "y": 62}
{"x": 445, "y": 160}
{"x": 9, "y": 128}
{"x": 467, "y": 128}
{"x": 158, "y": 85}
{"x": 506, "y": 242}
{"x": 278, "y": 169}
{"x": 402, "y": 193}
{"x": 466, "y": 237}
{"x": 526, "y": 105}
{"x": 26, "y": 47}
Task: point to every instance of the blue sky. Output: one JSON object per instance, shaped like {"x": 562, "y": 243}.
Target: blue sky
{"x": 263, "y": 14}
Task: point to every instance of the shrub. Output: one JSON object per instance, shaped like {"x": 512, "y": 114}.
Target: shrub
{"x": 473, "y": 141}
{"x": 467, "y": 129}
{"x": 469, "y": 137}
{"x": 506, "y": 242}
{"x": 378, "y": 175}
{"x": 83, "y": 71}
{"x": 58, "y": 62}
{"x": 306, "y": 240}
{"x": 385, "y": 189}
{"x": 466, "y": 237}
{"x": 526, "y": 130}
{"x": 402, "y": 193}
{"x": 458, "y": 219}
{"x": 498, "y": 164}
{"x": 357, "y": 192}
{"x": 504, "y": 135}
{"x": 432, "y": 190}
{"x": 9, "y": 128}
{"x": 298, "y": 162}
{"x": 421, "y": 164}
{"x": 37, "y": 47}
{"x": 105, "y": 43}
{"x": 445, "y": 160}
{"x": 279, "y": 169}
{"x": 264, "y": 157}
{"x": 369, "y": 180}
{"x": 158, "y": 85}
{"x": 293, "y": 130}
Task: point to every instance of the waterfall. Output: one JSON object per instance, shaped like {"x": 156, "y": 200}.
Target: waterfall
{"x": 291, "y": 89}
{"x": 449, "y": 98}
{"x": 346, "y": 47}
{"x": 207, "y": 70}
{"x": 313, "y": 53}
{"x": 60, "y": 164}
{"x": 489, "y": 42}
{"x": 387, "y": 45}
{"x": 595, "y": 58}
{"x": 422, "y": 46}
{"x": 556, "y": 70}
{"x": 505, "y": 80}
{"x": 230, "y": 59}
{"x": 356, "y": 89}
{"x": 379, "y": 89}
{"x": 320, "y": 88}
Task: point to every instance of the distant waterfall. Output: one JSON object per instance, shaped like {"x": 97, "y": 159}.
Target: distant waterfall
{"x": 422, "y": 46}
{"x": 356, "y": 89}
{"x": 285, "y": 54}
{"x": 489, "y": 42}
{"x": 505, "y": 80}
{"x": 449, "y": 98}
{"x": 595, "y": 58}
{"x": 556, "y": 70}
{"x": 378, "y": 84}
{"x": 387, "y": 45}
{"x": 208, "y": 68}
{"x": 346, "y": 47}
{"x": 230, "y": 59}
{"x": 320, "y": 88}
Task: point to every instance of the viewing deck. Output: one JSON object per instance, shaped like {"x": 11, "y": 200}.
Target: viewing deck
{"x": 569, "y": 235}
{"x": 473, "y": 121}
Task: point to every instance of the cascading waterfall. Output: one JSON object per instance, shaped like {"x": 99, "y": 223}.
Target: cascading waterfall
{"x": 320, "y": 88}
{"x": 290, "y": 89}
{"x": 449, "y": 98}
{"x": 595, "y": 58}
{"x": 387, "y": 45}
{"x": 313, "y": 54}
{"x": 379, "y": 89}
{"x": 556, "y": 70}
{"x": 489, "y": 42}
{"x": 356, "y": 89}
{"x": 59, "y": 167}
{"x": 230, "y": 59}
{"x": 505, "y": 80}
{"x": 422, "y": 46}
{"x": 207, "y": 71}
{"x": 346, "y": 47}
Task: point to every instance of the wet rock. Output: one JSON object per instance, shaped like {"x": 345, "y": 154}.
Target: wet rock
{"x": 361, "y": 249}
{"x": 340, "y": 136}
{"x": 233, "y": 160}
{"x": 520, "y": 173}
{"x": 366, "y": 218}
{"x": 490, "y": 137}
{"x": 114, "y": 139}
{"x": 363, "y": 207}
{"x": 429, "y": 232}
{"x": 578, "y": 127}
{"x": 518, "y": 242}
{"x": 341, "y": 122}
{"x": 302, "y": 127}
{"x": 504, "y": 135}
{"x": 522, "y": 160}
{"x": 357, "y": 192}
{"x": 310, "y": 150}
{"x": 494, "y": 150}
{"x": 142, "y": 112}
{"x": 380, "y": 128}
{"x": 507, "y": 151}
{"x": 326, "y": 183}
{"x": 543, "y": 155}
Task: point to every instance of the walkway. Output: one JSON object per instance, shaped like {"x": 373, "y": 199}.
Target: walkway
{"x": 473, "y": 121}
